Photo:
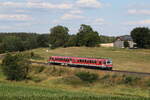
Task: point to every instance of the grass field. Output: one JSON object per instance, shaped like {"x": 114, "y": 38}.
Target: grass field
{"x": 60, "y": 83}
{"x": 123, "y": 59}
{"x": 19, "y": 92}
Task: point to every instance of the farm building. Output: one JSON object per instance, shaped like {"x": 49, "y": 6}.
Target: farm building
{"x": 107, "y": 45}
{"x": 120, "y": 41}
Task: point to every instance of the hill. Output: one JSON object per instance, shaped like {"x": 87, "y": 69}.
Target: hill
{"x": 62, "y": 83}
{"x": 123, "y": 59}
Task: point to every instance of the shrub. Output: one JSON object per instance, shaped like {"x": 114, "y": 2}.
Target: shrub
{"x": 71, "y": 80}
{"x": 86, "y": 76}
{"x": 105, "y": 77}
{"x": 148, "y": 83}
{"x": 126, "y": 44}
{"x": 130, "y": 79}
{"x": 38, "y": 79}
{"x": 39, "y": 69}
{"x": 15, "y": 67}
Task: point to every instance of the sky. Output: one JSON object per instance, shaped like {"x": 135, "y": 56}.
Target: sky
{"x": 108, "y": 17}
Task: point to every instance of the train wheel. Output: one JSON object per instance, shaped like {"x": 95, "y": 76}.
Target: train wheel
{"x": 110, "y": 68}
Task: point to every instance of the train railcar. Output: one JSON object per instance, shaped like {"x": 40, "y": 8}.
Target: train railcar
{"x": 103, "y": 63}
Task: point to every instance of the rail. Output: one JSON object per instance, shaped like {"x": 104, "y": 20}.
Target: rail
{"x": 116, "y": 71}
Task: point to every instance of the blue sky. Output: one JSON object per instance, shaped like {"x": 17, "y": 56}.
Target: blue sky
{"x": 108, "y": 17}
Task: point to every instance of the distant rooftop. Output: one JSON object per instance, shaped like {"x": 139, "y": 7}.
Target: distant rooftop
{"x": 125, "y": 38}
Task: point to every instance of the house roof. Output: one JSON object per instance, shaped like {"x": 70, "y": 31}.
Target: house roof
{"x": 125, "y": 38}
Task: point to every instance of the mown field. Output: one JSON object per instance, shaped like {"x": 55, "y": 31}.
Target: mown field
{"x": 123, "y": 59}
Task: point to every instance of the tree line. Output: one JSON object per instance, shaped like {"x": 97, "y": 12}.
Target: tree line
{"x": 22, "y": 41}
{"x": 58, "y": 37}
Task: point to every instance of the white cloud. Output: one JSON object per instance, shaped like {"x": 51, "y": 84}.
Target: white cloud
{"x": 142, "y": 22}
{"x": 56, "y": 21}
{"x": 5, "y": 27}
{"x": 11, "y": 4}
{"x": 49, "y": 5}
{"x": 142, "y": 11}
{"x": 36, "y": 5}
{"x": 70, "y": 16}
{"x": 98, "y": 21}
{"x": 14, "y": 17}
{"x": 89, "y": 3}
{"x": 76, "y": 11}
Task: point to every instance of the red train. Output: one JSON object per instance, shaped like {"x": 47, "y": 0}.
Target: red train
{"x": 103, "y": 63}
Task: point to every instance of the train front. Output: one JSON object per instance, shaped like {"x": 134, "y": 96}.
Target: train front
{"x": 109, "y": 64}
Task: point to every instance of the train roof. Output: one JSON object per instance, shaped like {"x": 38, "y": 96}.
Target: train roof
{"x": 93, "y": 58}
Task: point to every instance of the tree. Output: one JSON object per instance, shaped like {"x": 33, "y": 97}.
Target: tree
{"x": 71, "y": 41}
{"x": 126, "y": 44}
{"x": 12, "y": 43}
{"x": 107, "y": 39}
{"x": 87, "y": 37}
{"x": 43, "y": 40}
{"x": 92, "y": 39}
{"x": 141, "y": 36}
{"x": 58, "y": 36}
{"x": 15, "y": 67}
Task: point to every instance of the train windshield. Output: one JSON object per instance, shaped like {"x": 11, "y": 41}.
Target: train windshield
{"x": 109, "y": 62}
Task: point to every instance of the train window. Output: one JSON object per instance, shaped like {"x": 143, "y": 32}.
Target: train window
{"x": 70, "y": 59}
{"x": 100, "y": 62}
{"x": 104, "y": 62}
{"x": 83, "y": 60}
{"x": 109, "y": 62}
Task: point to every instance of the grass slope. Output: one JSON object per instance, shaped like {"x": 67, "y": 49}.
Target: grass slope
{"x": 59, "y": 83}
{"x": 123, "y": 59}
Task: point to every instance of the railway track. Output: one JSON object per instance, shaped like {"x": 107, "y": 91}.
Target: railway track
{"x": 116, "y": 71}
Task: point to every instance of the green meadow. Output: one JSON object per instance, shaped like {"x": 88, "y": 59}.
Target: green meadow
{"x": 61, "y": 83}
{"x": 123, "y": 59}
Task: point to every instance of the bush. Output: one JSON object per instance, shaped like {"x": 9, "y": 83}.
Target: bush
{"x": 86, "y": 76}
{"x": 105, "y": 77}
{"x": 38, "y": 79}
{"x": 15, "y": 67}
{"x": 130, "y": 79}
{"x": 148, "y": 83}
{"x": 39, "y": 69}
{"x": 71, "y": 80}
{"x": 126, "y": 44}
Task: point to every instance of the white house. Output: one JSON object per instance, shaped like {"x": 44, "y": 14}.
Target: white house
{"x": 120, "y": 41}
